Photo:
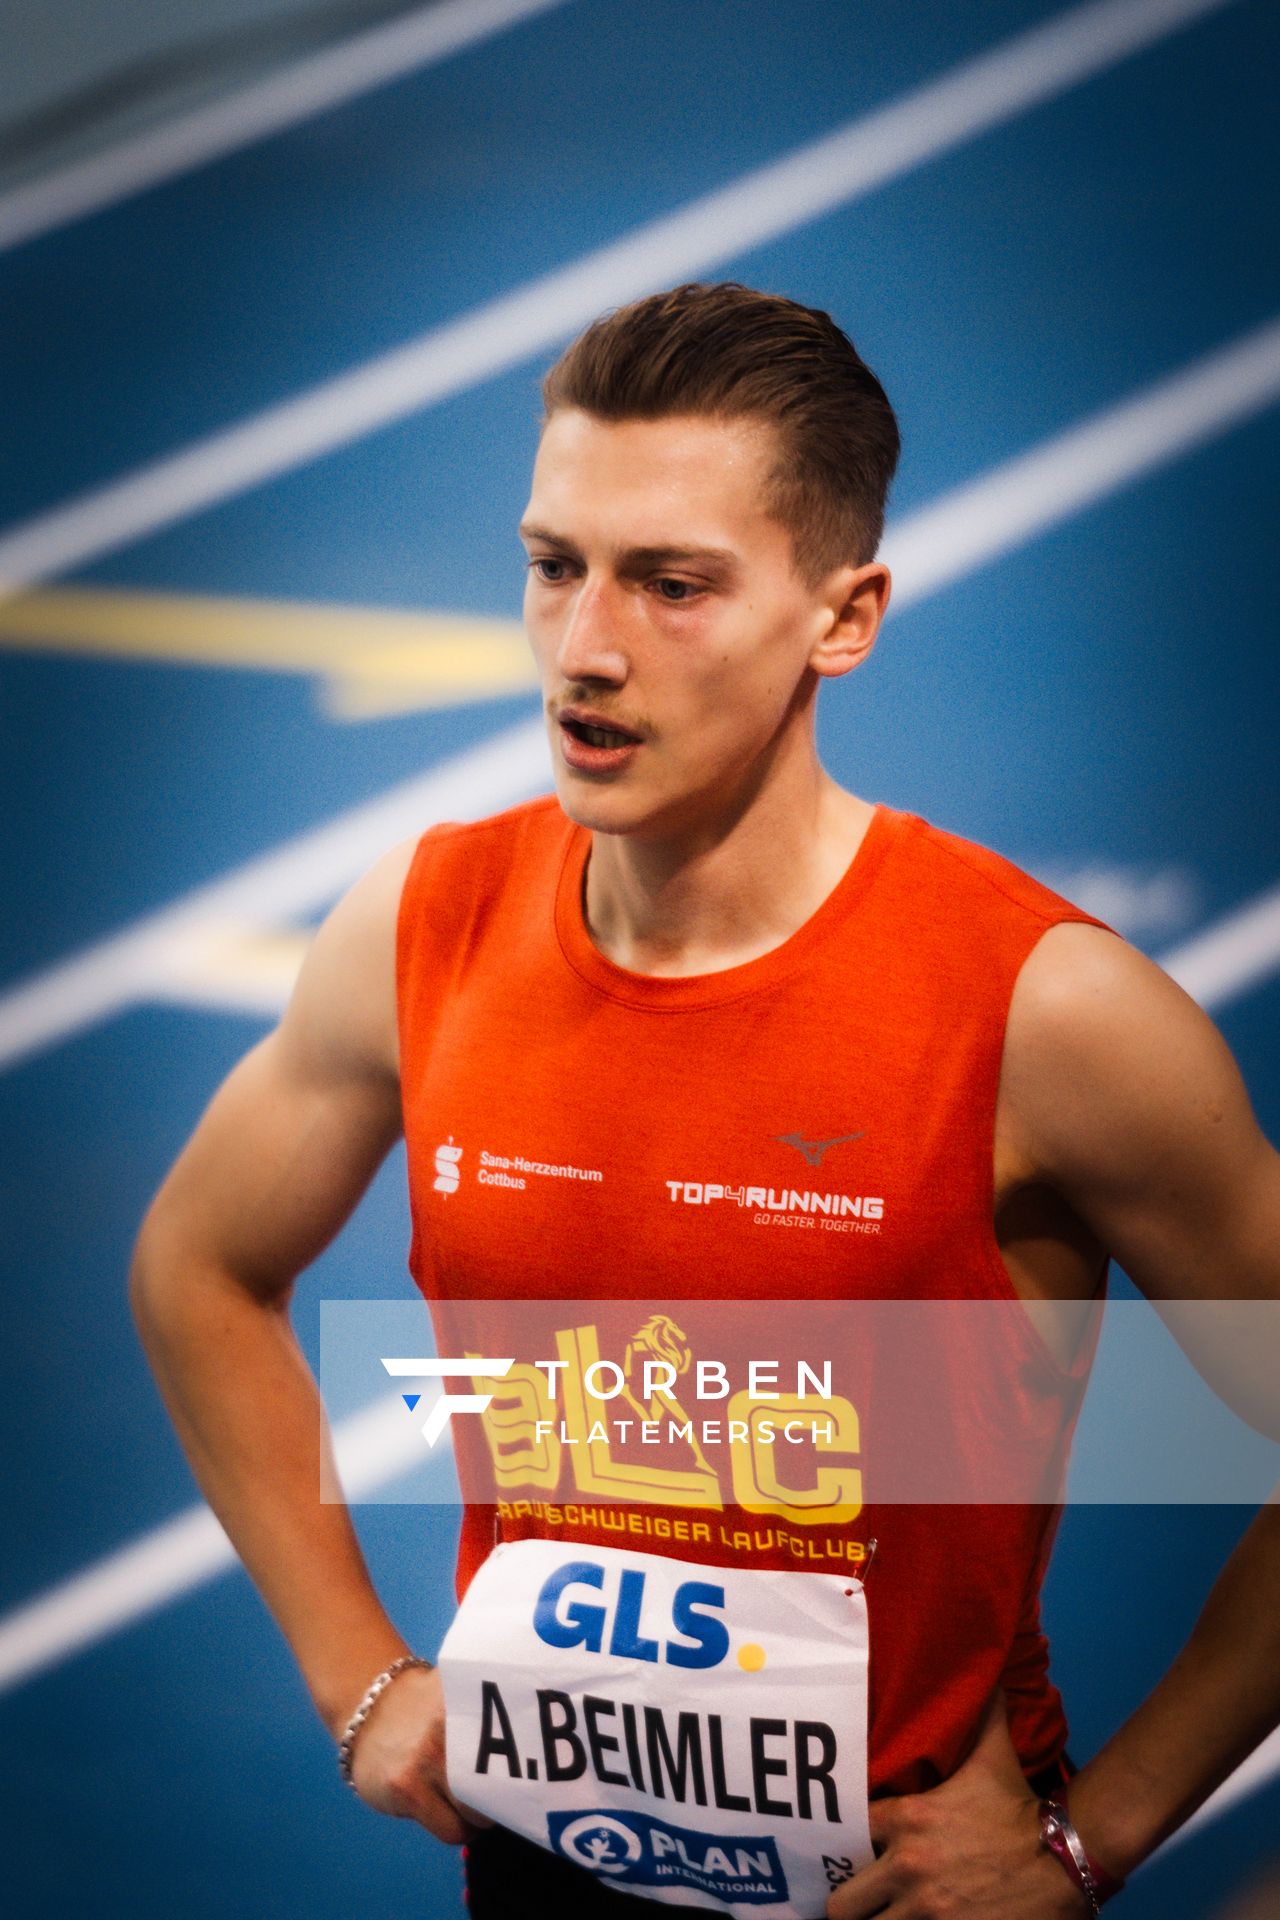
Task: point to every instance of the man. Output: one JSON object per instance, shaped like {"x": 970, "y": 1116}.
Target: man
{"x": 702, "y": 944}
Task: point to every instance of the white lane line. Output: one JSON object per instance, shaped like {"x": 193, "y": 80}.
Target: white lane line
{"x": 1238, "y": 953}
{"x": 305, "y": 873}
{"x": 971, "y": 525}
{"x": 373, "y": 1449}
{"x": 302, "y": 90}
{"x": 993, "y": 515}
{"x": 864, "y": 154}
{"x": 1258, "y": 1771}
{"x": 251, "y": 969}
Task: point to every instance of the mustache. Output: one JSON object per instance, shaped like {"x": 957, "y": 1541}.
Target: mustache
{"x": 601, "y": 715}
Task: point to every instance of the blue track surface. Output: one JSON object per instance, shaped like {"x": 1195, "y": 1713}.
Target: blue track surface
{"x": 1104, "y": 695}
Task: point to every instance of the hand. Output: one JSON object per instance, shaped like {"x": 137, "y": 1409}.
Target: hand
{"x": 399, "y": 1762}
{"x": 970, "y": 1846}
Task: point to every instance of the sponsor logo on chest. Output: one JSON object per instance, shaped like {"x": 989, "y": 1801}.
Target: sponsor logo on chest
{"x": 832, "y": 1210}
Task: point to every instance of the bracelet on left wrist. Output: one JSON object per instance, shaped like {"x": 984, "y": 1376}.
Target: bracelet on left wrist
{"x": 372, "y": 1694}
{"x": 1058, "y": 1834}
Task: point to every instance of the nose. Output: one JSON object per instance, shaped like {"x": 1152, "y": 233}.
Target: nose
{"x": 590, "y": 646}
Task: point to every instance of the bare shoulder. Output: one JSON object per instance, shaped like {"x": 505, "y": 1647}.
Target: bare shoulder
{"x": 1100, "y": 1037}
{"x": 1120, "y": 1092}
{"x": 341, "y": 1017}
{"x": 1080, "y": 979}
{"x": 1088, "y": 1008}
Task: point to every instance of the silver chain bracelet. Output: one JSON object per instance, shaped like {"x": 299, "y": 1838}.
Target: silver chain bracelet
{"x": 346, "y": 1745}
{"x": 1058, "y": 1834}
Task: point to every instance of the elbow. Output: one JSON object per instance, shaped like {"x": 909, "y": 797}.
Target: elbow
{"x": 178, "y": 1288}
{"x": 143, "y": 1283}
{"x": 162, "y": 1269}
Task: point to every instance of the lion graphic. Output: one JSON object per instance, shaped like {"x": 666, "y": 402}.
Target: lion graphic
{"x": 660, "y": 1339}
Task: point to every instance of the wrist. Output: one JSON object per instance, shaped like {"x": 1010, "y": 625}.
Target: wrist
{"x": 338, "y": 1692}
{"x": 1117, "y": 1827}
{"x": 1059, "y": 1836}
{"x": 405, "y": 1663}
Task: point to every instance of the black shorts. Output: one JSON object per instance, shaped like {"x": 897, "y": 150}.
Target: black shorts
{"x": 507, "y": 1874}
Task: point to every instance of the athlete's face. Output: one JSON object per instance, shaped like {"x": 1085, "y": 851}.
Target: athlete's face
{"x": 677, "y": 646}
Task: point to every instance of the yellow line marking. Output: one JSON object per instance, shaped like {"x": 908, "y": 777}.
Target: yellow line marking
{"x": 370, "y": 660}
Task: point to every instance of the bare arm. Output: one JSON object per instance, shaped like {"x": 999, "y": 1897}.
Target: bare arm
{"x": 1122, "y": 1096}
{"x": 1128, "y": 1101}
{"x": 286, "y": 1148}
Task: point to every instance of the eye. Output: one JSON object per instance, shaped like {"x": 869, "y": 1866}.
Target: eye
{"x": 544, "y": 567}
{"x": 675, "y": 591}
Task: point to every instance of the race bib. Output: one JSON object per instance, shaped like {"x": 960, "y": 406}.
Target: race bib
{"x": 688, "y": 1733}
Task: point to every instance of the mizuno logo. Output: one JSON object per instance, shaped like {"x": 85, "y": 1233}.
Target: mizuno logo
{"x": 813, "y": 1150}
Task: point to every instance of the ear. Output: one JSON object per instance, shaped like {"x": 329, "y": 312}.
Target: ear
{"x": 854, "y": 600}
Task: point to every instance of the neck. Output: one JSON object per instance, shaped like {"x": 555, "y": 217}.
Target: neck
{"x": 730, "y": 888}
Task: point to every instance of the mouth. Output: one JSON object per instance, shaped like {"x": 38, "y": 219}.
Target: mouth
{"x": 592, "y": 744}
{"x": 599, "y": 736}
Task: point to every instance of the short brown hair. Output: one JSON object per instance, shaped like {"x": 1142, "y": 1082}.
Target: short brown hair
{"x": 727, "y": 350}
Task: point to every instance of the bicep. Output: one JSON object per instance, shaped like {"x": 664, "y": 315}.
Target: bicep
{"x": 297, "y": 1130}
{"x": 1132, "y": 1107}
{"x": 1137, "y": 1113}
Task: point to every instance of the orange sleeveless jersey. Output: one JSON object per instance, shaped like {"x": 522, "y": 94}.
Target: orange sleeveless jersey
{"x": 882, "y": 1017}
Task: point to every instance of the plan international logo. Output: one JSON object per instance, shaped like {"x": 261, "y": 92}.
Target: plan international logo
{"x": 638, "y": 1850}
